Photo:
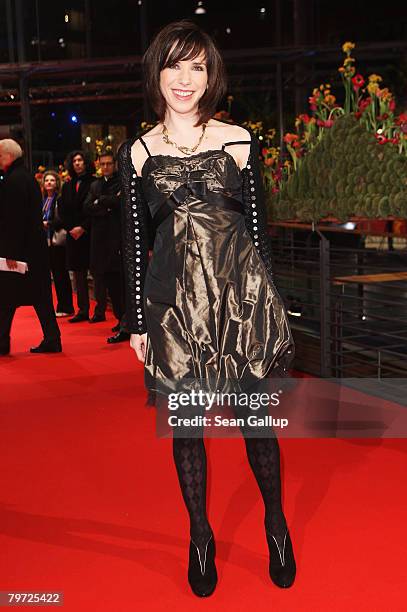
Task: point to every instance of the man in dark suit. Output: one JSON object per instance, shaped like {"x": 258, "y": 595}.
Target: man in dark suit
{"x": 22, "y": 238}
{"x": 77, "y": 224}
{"x": 103, "y": 206}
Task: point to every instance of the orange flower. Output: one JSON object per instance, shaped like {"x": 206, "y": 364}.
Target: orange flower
{"x": 290, "y": 138}
{"x": 269, "y": 161}
{"x": 330, "y": 100}
{"x": 384, "y": 94}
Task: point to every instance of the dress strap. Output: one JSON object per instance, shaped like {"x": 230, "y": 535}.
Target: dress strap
{"x": 236, "y": 142}
{"x": 145, "y": 146}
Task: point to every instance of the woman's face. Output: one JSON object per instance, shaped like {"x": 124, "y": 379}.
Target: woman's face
{"x": 184, "y": 84}
{"x": 50, "y": 183}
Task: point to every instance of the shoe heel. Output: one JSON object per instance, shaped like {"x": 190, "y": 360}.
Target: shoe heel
{"x": 282, "y": 566}
{"x": 202, "y": 574}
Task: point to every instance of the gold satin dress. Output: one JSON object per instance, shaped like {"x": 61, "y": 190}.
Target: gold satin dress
{"x": 214, "y": 317}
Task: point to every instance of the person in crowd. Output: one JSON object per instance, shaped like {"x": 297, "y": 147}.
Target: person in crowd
{"x": 103, "y": 207}
{"x": 77, "y": 224}
{"x": 56, "y": 238}
{"x": 22, "y": 239}
{"x": 203, "y": 310}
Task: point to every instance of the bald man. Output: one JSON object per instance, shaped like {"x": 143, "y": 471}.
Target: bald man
{"x": 22, "y": 238}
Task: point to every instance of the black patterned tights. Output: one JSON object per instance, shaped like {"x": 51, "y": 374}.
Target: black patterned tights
{"x": 264, "y": 459}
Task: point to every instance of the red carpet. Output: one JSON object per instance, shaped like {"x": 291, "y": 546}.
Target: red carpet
{"x": 90, "y": 505}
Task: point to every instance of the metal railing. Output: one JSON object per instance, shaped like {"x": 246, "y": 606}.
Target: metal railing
{"x": 346, "y": 299}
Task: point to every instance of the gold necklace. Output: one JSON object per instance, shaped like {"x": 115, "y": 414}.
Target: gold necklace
{"x": 186, "y": 150}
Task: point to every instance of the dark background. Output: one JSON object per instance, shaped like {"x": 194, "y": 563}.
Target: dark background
{"x": 103, "y": 29}
{"x": 115, "y": 26}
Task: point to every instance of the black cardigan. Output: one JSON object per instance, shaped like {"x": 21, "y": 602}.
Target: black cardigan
{"x": 138, "y": 232}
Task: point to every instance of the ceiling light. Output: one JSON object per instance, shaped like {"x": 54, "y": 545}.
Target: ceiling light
{"x": 200, "y": 9}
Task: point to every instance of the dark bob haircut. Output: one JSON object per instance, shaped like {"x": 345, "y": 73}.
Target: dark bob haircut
{"x": 106, "y": 153}
{"x": 183, "y": 40}
{"x": 89, "y": 165}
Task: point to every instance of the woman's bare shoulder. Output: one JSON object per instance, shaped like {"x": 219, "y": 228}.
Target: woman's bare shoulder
{"x": 138, "y": 151}
{"x": 153, "y": 133}
{"x": 230, "y": 132}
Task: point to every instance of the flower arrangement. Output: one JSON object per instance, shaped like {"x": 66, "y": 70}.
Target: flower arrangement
{"x": 373, "y": 105}
{"x": 345, "y": 160}
{"x": 347, "y": 173}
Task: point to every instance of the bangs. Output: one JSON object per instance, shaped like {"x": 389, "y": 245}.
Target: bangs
{"x": 187, "y": 49}
{"x": 177, "y": 42}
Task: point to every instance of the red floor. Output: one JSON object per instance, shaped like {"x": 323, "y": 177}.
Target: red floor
{"x": 90, "y": 506}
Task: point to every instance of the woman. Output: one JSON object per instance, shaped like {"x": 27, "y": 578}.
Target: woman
{"x": 51, "y": 187}
{"x": 205, "y": 310}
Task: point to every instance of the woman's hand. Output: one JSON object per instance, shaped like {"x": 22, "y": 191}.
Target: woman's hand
{"x": 138, "y": 343}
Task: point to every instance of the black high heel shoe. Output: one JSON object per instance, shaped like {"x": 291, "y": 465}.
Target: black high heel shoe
{"x": 202, "y": 574}
{"x": 282, "y": 568}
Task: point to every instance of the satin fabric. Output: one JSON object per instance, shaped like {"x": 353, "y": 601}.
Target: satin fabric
{"x": 215, "y": 319}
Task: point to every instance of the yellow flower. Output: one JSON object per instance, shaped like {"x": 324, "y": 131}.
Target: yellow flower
{"x": 347, "y": 47}
{"x": 372, "y": 87}
{"x": 375, "y": 78}
{"x": 328, "y": 85}
{"x": 348, "y": 60}
{"x": 143, "y": 124}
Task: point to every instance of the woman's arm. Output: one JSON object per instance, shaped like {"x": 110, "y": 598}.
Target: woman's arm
{"x": 254, "y": 203}
{"x": 134, "y": 242}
